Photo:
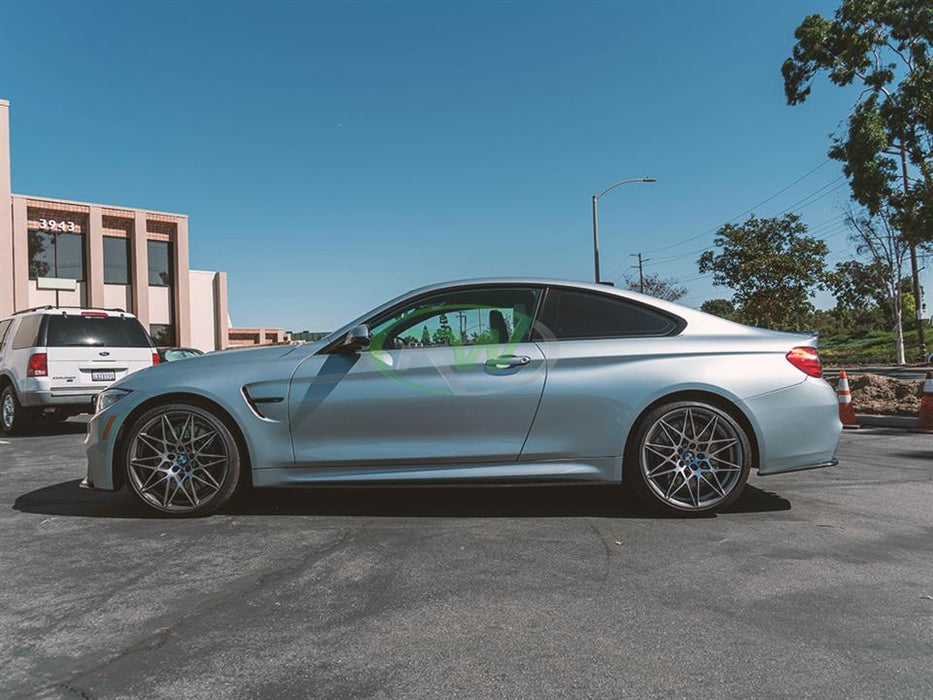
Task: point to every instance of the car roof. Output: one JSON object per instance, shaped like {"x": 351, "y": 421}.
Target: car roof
{"x": 697, "y": 322}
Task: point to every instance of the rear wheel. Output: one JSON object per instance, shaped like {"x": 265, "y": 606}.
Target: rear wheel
{"x": 15, "y": 419}
{"x": 182, "y": 460}
{"x": 688, "y": 457}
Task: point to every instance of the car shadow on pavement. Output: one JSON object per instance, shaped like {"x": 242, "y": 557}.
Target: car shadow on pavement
{"x": 45, "y": 428}
{"x": 67, "y": 499}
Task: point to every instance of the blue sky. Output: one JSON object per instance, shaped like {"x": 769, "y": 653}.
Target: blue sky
{"x": 331, "y": 155}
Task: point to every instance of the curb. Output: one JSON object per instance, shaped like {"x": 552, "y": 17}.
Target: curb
{"x": 898, "y": 422}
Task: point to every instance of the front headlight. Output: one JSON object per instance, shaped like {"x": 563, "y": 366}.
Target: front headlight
{"x": 108, "y": 398}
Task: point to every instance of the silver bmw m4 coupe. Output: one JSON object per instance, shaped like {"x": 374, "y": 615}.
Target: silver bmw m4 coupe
{"x": 478, "y": 381}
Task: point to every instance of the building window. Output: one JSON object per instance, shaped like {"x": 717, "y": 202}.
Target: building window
{"x": 160, "y": 264}
{"x": 116, "y": 260}
{"x": 163, "y": 334}
{"x": 56, "y": 254}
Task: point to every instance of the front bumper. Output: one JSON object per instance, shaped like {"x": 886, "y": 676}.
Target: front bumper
{"x": 797, "y": 427}
{"x": 100, "y": 442}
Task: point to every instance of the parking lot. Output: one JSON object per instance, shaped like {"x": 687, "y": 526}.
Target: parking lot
{"x": 815, "y": 584}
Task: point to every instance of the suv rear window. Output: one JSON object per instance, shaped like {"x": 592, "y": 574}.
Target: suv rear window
{"x": 95, "y": 331}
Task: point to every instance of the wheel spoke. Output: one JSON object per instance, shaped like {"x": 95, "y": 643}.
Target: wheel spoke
{"x": 716, "y": 487}
{"x": 210, "y": 476}
{"x": 168, "y": 484}
{"x": 149, "y": 486}
{"x": 167, "y": 423}
{"x": 711, "y": 426}
{"x": 148, "y": 441}
{"x": 722, "y": 449}
{"x": 668, "y": 428}
{"x": 733, "y": 465}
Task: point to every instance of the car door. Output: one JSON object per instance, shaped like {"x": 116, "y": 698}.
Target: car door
{"x": 448, "y": 378}
{"x": 604, "y": 353}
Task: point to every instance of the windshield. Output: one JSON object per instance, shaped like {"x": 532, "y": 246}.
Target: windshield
{"x": 95, "y": 331}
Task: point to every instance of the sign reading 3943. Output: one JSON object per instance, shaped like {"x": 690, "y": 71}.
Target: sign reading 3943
{"x": 55, "y": 225}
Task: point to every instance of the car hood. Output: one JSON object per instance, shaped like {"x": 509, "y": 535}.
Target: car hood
{"x": 185, "y": 371}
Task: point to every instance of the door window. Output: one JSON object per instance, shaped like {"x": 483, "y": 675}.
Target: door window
{"x": 483, "y": 316}
{"x": 571, "y": 315}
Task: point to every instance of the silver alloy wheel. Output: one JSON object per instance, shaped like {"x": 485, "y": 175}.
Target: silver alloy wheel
{"x": 692, "y": 457}
{"x": 9, "y": 411}
{"x": 178, "y": 461}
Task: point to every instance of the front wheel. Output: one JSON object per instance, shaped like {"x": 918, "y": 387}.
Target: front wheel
{"x": 688, "y": 457}
{"x": 181, "y": 460}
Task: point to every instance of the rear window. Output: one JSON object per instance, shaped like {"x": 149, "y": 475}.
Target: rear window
{"x": 578, "y": 315}
{"x": 95, "y": 331}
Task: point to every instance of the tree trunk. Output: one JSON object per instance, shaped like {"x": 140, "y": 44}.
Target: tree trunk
{"x": 897, "y": 309}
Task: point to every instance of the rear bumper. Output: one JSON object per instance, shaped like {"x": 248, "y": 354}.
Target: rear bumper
{"x": 797, "y": 427}
{"x": 49, "y": 399}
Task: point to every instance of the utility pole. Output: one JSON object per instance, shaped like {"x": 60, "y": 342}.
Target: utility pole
{"x": 914, "y": 270}
{"x": 641, "y": 275}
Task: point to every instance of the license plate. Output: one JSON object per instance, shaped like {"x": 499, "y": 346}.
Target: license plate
{"x": 103, "y": 376}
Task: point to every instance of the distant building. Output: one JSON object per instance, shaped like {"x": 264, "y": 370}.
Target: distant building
{"x": 65, "y": 253}
{"x": 307, "y": 336}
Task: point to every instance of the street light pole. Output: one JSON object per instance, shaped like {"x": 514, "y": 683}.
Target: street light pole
{"x": 596, "y": 219}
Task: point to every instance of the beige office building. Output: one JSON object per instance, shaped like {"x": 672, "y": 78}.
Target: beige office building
{"x": 66, "y": 253}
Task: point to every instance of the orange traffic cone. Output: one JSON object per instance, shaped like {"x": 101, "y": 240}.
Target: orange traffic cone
{"x": 846, "y": 412}
{"x": 925, "y": 417}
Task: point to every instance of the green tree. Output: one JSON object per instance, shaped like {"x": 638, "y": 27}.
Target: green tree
{"x": 719, "y": 307}
{"x": 425, "y": 336}
{"x": 656, "y": 286}
{"x": 772, "y": 268}
{"x": 886, "y": 46}
{"x": 859, "y": 291}
{"x": 881, "y": 278}
{"x": 443, "y": 335}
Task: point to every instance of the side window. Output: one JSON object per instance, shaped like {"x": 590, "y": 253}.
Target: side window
{"x": 28, "y": 332}
{"x": 579, "y": 315}
{"x": 4, "y": 329}
{"x": 486, "y": 316}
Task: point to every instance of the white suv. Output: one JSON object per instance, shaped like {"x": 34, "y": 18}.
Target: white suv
{"x": 54, "y": 361}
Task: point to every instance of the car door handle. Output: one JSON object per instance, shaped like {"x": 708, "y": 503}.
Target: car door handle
{"x": 504, "y": 361}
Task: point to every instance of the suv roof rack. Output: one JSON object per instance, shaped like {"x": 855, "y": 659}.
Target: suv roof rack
{"x": 50, "y": 306}
{"x": 35, "y": 308}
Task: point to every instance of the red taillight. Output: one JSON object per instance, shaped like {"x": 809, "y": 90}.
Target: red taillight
{"x": 38, "y": 365}
{"x": 155, "y": 359}
{"x": 807, "y": 360}
{"x": 95, "y": 314}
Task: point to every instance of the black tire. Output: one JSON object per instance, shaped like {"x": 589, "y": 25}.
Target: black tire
{"x": 15, "y": 419}
{"x": 692, "y": 461}
{"x": 227, "y": 482}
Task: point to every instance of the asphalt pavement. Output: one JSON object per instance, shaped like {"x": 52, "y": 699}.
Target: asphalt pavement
{"x": 814, "y": 584}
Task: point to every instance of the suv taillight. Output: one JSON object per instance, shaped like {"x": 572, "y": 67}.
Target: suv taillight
{"x": 38, "y": 365}
{"x": 155, "y": 359}
{"x": 807, "y": 360}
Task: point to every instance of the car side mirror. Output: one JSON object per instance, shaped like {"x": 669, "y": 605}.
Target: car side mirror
{"x": 356, "y": 339}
